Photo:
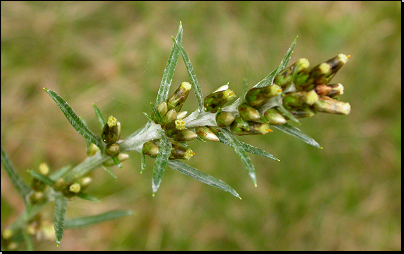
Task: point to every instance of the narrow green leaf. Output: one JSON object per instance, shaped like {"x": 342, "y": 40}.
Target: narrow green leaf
{"x": 59, "y": 218}
{"x": 75, "y": 121}
{"x": 16, "y": 180}
{"x": 270, "y": 78}
{"x": 117, "y": 162}
{"x": 295, "y": 132}
{"x": 248, "y": 148}
{"x": 192, "y": 76}
{"x": 244, "y": 90}
{"x": 142, "y": 162}
{"x": 109, "y": 172}
{"x": 240, "y": 151}
{"x": 168, "y": 74}
{"x": 95, "y": 219}
{"x": 87, "y": 197}
{"x": 60, "y": 173}
{"x": 43, "y": 179}
{"x": 161, "y": 161}
{"x": 99, "y": 116}
{"x": 28, "y": 240}
{"x": 156, "y": 113}
{"x": 202, "y": 177}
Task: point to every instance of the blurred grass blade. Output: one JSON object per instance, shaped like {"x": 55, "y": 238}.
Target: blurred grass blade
{"x": 161, "y": 161}
{"x": 99, "y": 116}
{"x": 87, "y": 197}
{"x": 59, "y": 218}
{"x": 95, "y": 219}
{"x": 109, "y": 172}
{"x": 295, "y": 132}
{"x": 192, "y": 76}
{"x": 142, "y": 162}
{"x": 240, "y": 152}
{"x": 117, "y": 162}
{"x": 168, "y": 74}
{"x": 270, "y": 78}
{"x": 75, "y": 121}
{"x": 60, "y": 173}
{"x": 43, "y": 179}
{"x": 28, "y": 241}
{"x": 248, "y": 148}
{"x": 202, "y": 177}
{"x": 16, "y": 180}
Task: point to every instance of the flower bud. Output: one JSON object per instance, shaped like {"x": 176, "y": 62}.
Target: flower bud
{"x": 44, "y": 169}
{"x": 122, "y": 157}
{"x": 59, "y": 184}
{"x": 249, "y": 113}
{"x": 181, "y": 115}
{"x": 218, "y": 98}
{"x": 178, "y": 98}
{"x": 92, "y": 149}
{"x": 329, "y": 105}
{"x": 257, "y": 97}
{"x": 239, "y": 125}
{"x": 206, "y": 133}
{"x": 180, "y": 151}
{"x": 254, "y": 129}
{"x": 285, "y": 77}
{"x": 336, "y": 63}
{"x": 224, "y": 119}
{"x": 185, "y": 135}
{"x": 331, "y": 90}
{"x": 84, "y": 182}
{"x": 274, "y": 117}
{"x": 162, "y": 108}
{"x": 150, "y": 148}
{"x": 112, "y": 150}
{"x": 300, "y": 99}
{"x": 302, "y": 113}
{"x": 169, "y": 117}
{"x": 112, "y": 131}
{"x": 75, "y": 188}
{"x": 37, "y": 197}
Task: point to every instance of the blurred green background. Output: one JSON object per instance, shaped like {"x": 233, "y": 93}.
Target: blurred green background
{"x": 346, "y": 196}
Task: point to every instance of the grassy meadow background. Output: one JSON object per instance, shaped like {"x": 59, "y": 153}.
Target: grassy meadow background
{"x": 346, "y": 196}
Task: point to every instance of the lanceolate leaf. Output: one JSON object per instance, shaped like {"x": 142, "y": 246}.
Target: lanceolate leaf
{"x": 75, "y": 121}
{"x": 59, "y": 218}
{"x": 168, "y": 74}
{"x": 270, "y": 78}
{"x": 161, "y": 161}
{"x": 87, "y": 197}
{"x": 202, "y": 177}
{"x": 18, "y": 183}
{"x": 240, "y": 151}
{"x": 295, "y": 132}
{"x": 287, "y": 114}
{"x": 156, "y": 113}
{"x": 109, "y": 172}
{"x": 60, "y": 173}
{"x": 99, "y": 116}
{"x": 44, "y": 179}
{"x": 95, "y": 219}
{"x": 117, "y": 162}
{"x": 248, "y": 148}
{"x": 192, "y": 76}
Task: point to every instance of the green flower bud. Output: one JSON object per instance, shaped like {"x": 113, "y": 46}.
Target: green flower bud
{"x": 112, "y": 150}
{"x": 37, "y": 197}
{"x": 336, "y": 63}
{"x": 180, "y": 151}
{"x": 181, "y": 115}
{"x": 162, "y": 108}
{"x": 92, "y": 149}
{"x": 7, "y": 234}
{"x": 316, "y": 75}
{"x": 285, "y": 77}
{"x": 302, "y": 113}
{"x": 185, "y": 135}
{"x": 224, "y": 119}
{"x": 169, "y": 117}
{"x": 122, "y": 157}
{"x": 44, "y": 169}
{"x": 84, "y": 182}
{"x": 150, "y": 148}
{"x": 218, "y": 98}
{"x": 112, "y": 131}
{"x": 59, "y": 184}
{"x": 239, "y": 125}
{"x": 329, "y": 105}
{"x": 274, "y": 117}
{"x": 249, "y": 113}
{"x": 206, "y": 133}
{"x": 257, "y": 97}
{"x": 75, "y": 188}
{"x": 254, "y": 129}
{"x": 300, "y": 99}
{"x": 178, "y": 98}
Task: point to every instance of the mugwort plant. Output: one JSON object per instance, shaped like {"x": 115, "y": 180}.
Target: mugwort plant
{"x": 286, "y": 94}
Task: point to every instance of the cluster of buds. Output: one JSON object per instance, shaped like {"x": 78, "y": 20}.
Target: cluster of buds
{"x": 71, "y": 190}
{"x": 110, "y": 135}
{"x": 297, "y": 92}
{"x": 301, "y": 90}
{"x": 39, "y": 187}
